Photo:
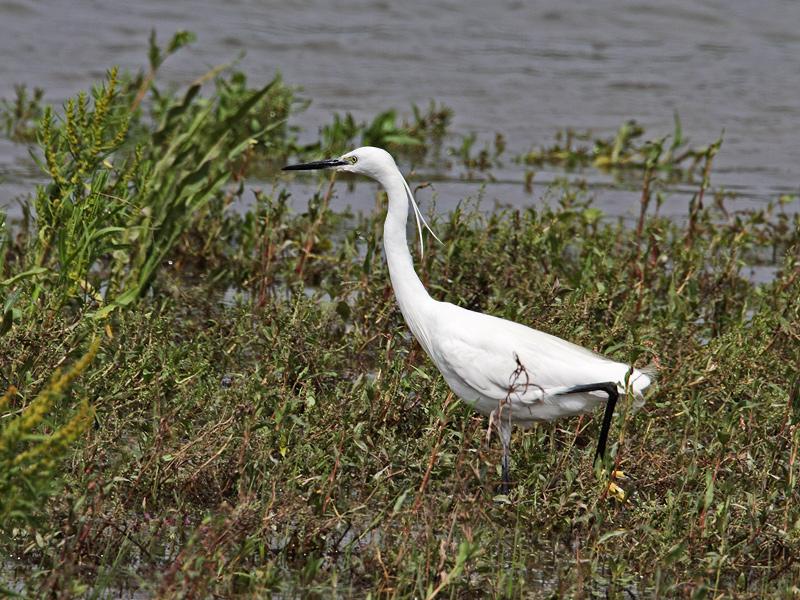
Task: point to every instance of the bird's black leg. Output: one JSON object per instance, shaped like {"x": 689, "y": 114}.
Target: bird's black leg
{"x": 613, "y": 395}
{"x": 504, "y": 431}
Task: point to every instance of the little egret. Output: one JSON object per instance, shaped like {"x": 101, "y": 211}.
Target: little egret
{"x": 507, "y": 371}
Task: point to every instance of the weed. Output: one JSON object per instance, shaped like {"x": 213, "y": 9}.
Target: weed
{"x": 20, "y": 116}
{"x": 623, "y": 152}
{"x": 297, "y": 441}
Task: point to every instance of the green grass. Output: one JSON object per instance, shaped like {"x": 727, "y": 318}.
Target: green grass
{"x": 296, "y": 440}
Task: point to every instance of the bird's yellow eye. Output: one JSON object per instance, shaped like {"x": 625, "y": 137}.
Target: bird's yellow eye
{"x": 352, "y": 159}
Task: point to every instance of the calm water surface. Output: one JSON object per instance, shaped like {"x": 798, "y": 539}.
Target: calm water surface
{"x": 521, "y": 68}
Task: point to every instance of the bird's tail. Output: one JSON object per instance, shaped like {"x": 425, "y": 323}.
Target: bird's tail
{"x": 639, "y": 381}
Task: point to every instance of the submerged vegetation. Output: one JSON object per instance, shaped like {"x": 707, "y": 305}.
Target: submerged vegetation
{"x": 200, "y": 401}
{"x": 625, "y": 151}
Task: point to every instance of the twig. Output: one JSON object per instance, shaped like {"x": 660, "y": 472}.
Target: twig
{"x": 434, "y": 452}
{"x": 315, "y": 226}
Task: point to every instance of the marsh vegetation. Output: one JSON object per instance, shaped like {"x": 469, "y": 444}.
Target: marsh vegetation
{"x": 200, "y": 401}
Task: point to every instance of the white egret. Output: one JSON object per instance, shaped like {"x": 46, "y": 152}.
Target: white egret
{"x": 507, "y": 371}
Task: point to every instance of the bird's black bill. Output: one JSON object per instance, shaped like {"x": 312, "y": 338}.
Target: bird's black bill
{"x": 319, "y": 164}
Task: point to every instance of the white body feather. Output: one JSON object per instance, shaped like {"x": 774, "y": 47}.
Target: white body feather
{"x": 479, "y": 354}
{"x": 480, "y": 357}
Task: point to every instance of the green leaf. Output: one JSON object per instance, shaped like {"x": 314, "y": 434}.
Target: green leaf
{"x": 105, "y": 231}
{"x": 675, "y": 553}
{"x": 398, "y": 504}
{"x": 173, "y": 114}
{"x": 254, "y": 139}
{"x": 402, "y": 140}
{"x": 592, "y": 215}
{"x": 25, "y": 275}
{"x": 610, "y": 535}
{"x": 180, "y": 39}
{"x": 709, "y": 495}
{"x": 248, "y": 104}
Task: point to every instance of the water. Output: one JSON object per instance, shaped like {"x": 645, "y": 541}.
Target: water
{"x": 523, "y": 69}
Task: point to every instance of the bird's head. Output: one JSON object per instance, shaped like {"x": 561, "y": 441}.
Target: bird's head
{"x": 368, "y": 160}
{"x": 377, "y": 164}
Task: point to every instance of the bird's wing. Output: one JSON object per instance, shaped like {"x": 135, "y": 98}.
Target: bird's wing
{"x": 483, "y": 372}
{"x": 493, "y": 357}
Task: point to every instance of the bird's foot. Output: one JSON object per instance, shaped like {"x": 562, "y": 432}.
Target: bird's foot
{"x": 501, "y": 490}
{"x": 614, "y": 489}
{"x": 616, "y": 492}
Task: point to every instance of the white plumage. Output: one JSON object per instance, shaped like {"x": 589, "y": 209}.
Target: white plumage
{"x": 478, "y": 354}
{"x": 505, "y": 370}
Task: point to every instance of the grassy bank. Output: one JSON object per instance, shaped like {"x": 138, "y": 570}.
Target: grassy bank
{"x": 201, "y": 401}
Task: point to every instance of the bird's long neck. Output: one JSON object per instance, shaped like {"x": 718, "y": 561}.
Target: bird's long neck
{"x": 412, "y": 297}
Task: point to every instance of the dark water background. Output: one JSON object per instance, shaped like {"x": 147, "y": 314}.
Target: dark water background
{"x": 525, "y": 69}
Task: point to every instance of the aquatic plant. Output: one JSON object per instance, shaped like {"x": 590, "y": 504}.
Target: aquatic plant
{"x": 31, "y": 454}
{"x": 624, "y": 151}
{"x": 264, "y": 425}
{"x": 20, "y": 115}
